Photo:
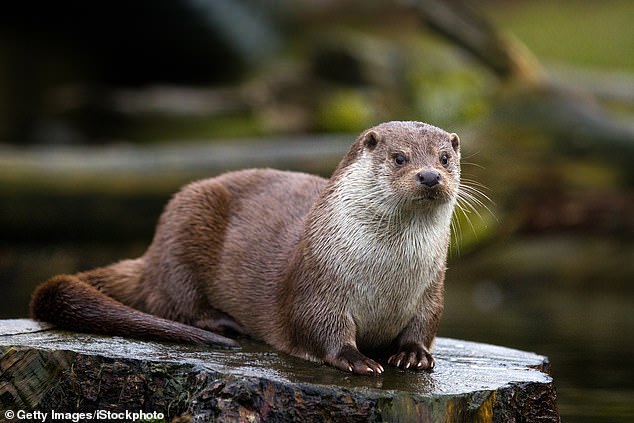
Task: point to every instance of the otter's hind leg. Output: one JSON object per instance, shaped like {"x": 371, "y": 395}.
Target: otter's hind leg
{"x": 219, "y": 322}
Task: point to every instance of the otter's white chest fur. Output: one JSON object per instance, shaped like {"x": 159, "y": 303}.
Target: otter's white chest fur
{"x": 382, "y": 278}
{"x": 387, "y": 277}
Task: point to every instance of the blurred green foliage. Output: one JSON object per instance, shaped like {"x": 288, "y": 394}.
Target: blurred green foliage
{"x": 574, "y": 32}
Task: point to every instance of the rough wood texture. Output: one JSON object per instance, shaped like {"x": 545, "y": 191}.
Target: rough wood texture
{"x": 44, "y": 369}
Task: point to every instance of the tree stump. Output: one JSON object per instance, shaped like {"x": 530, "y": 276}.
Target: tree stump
{"x": 43, "y": 370}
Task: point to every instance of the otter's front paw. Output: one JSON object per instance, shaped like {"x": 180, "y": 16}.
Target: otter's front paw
{"x": 349, "y": 359}
{"x": 413, "y": 356}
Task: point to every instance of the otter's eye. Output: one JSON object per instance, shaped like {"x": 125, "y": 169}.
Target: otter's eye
{"x": 400, "y": 159}
{"x": 444, "y": 159}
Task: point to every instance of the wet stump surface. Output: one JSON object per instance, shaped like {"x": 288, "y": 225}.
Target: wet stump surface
{"x": 43, "y": 369}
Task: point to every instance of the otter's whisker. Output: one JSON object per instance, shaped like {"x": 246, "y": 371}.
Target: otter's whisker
{"x": 456, "y": 233}
{"x": 465, "y": 212}
{"x": 471, "y": 200}
{"x": 471, "y": 192}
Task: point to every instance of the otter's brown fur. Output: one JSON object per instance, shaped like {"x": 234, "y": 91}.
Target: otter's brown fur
{"x": 317, "y": 268}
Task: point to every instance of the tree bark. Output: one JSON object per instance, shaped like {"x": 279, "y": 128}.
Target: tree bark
{"x": 44, "y": 370}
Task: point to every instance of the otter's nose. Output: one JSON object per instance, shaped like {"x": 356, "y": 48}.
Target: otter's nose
{"x": 429, "y": 178}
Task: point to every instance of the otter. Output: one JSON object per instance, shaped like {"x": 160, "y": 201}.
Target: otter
{"x": 328, "y": 270}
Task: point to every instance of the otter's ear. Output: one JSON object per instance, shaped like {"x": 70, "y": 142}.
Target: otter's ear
{"x": 455, "y": 142}
{"x": 370, "y": 140}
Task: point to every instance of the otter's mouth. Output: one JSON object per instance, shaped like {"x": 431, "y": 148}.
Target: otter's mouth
{"x": 428, "y": 199}
{"x": 432, "y": 196}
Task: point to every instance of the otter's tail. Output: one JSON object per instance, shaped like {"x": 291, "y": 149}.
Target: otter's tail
{"x": 71, "y": 303}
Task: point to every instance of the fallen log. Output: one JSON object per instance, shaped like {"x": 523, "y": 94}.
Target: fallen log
{"x": 43, "y": 370}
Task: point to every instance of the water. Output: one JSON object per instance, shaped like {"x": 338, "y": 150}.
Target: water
{"x": 586, "y": 333}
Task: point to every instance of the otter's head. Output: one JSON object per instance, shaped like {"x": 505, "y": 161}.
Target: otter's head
{"x": 406, "y": 163}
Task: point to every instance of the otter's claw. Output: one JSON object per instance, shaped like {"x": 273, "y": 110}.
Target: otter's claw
{"x": 349, "y": 359}
{"x": 412, "y": 357}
